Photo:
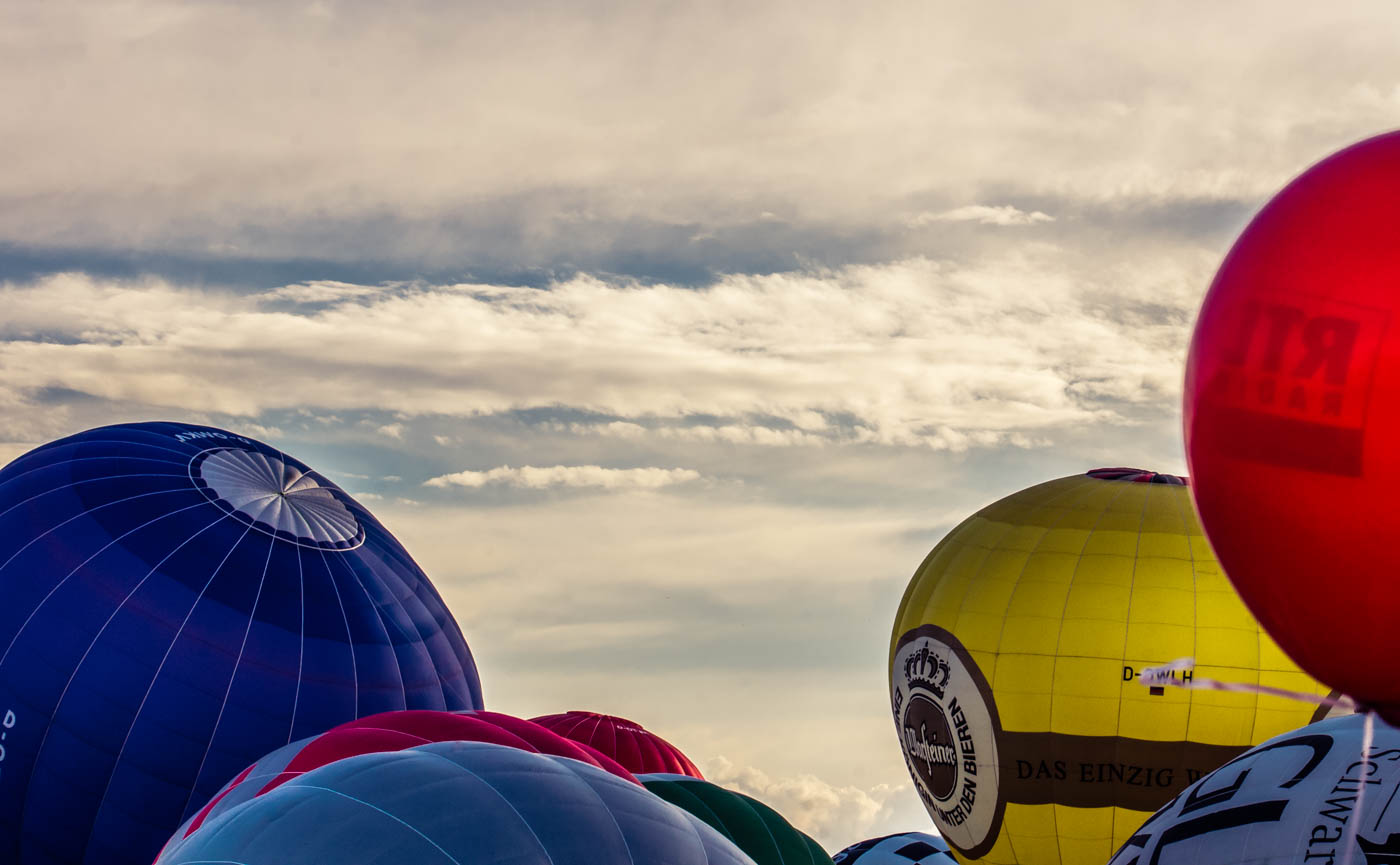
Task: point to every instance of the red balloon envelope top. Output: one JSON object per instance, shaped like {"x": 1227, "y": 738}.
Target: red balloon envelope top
{"x": 627, "y": 742}
{"x": 1292, "y": 419}
{"x": 394, "y": 731}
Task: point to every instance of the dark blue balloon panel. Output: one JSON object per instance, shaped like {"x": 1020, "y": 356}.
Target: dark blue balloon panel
{"x": 175, "y": 602}
{"x": 456, "y": 803}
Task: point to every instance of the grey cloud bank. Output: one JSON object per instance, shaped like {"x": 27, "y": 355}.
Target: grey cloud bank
{"x": 616, "y": 137}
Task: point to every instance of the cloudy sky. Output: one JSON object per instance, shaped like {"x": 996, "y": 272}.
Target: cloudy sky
{"x": 668, "y": 339}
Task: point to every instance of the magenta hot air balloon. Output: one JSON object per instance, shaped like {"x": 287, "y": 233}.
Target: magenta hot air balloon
{"x": 627, "y": 742}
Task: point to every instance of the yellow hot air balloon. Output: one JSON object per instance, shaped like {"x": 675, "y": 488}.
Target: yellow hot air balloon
{"x": 1014, "y": 662}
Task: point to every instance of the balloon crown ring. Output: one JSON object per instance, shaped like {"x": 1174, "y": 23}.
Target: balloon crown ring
{"x": 270, "y": 493}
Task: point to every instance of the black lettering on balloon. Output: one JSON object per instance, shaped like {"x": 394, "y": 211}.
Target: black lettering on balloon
{"x": 1237, "y": 353}
{"x": 1281, "y": 321}
{"x": 1329, "y": 341}
{"x": 1140, "y": 840}
{"x": 1196, "y": 800}
{"x": 1244, "y": 815}
{"x": 1340, "y": 806}
{"x": 1319, "y": 743}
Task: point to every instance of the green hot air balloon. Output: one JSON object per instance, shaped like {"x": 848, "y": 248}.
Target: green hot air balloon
{"x": 755, "y": 828}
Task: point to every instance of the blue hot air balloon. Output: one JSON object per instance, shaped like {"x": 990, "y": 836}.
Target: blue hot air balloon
{"x": 456, "y": 802}
{"x": 178, "y": 601}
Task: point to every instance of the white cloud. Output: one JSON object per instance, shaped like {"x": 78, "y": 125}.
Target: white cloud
{"x": 911, "y": 353}
{"x": 1004, "y": 215}
{"x": 741, "y": 434}
{"x": 540, "y": 477}
{"x": 836, "y": 815}
{"x": 322, "y": 291}
{"x": 267, "y": 433}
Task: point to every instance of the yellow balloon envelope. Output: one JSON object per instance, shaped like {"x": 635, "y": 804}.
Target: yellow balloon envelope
{"x": 1014, "y": 662}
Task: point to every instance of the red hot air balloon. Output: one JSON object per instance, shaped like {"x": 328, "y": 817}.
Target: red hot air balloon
{"x": 1292, "y": 419}
{"x": 627, "y": 742}
{"x": 392, "y": 731}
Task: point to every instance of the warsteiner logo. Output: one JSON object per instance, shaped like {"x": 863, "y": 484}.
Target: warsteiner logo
{"x": 948, "y": 729}
{"x": 929, "y": 746}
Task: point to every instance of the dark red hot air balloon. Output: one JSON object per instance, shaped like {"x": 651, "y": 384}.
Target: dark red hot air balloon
{"x": 1292, "y": 419}
{"x": 627, "y": 742}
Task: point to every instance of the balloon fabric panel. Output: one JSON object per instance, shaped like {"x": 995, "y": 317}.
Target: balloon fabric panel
{"x": 181, "y": 600}
{"x": 627, "y": 742}
{"x": 547, "y": 741}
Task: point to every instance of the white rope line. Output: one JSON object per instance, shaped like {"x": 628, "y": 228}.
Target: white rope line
{"x": 1162, "y": 676}
{"x": 1349, "y": 844}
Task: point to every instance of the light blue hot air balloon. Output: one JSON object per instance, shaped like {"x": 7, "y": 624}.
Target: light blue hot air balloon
{"x": 456, "y": 803}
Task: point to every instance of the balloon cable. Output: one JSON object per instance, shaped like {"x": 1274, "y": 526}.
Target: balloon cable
{"x": 1165, "y": 675}
{"x": 1367, "y": 734}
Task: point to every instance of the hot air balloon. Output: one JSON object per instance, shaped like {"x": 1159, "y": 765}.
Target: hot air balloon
{"x": 1292, "y": 419}
{"x": 1324, "y": 793}
{"x": 456, "y": 802}
{"x": 904, "y": 848}
{"x": 391, "y": 731}
{"x": 627, "y": 742}
{"x": 1014, "y": 668}
{"x": 758, "y": 830}
{"x": 178, "y": 601}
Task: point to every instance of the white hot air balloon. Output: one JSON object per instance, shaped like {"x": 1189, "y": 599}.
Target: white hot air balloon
{"x": 1324, "y": 794}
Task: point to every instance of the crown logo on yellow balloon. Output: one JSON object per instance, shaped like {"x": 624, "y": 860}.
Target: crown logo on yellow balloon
{"x": 927, "y": 669}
